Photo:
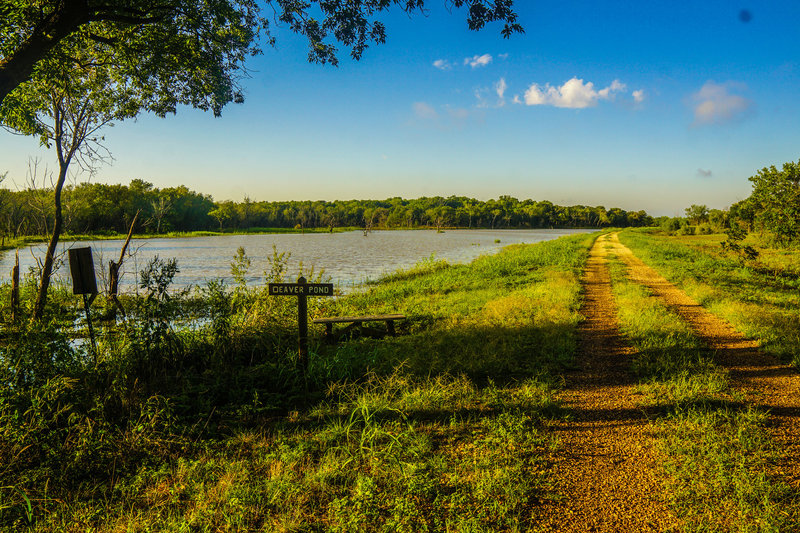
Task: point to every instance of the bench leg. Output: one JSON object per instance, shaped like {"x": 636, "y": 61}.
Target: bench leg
{"x": 390, "y": 327}
{"x": 329, "y": 338}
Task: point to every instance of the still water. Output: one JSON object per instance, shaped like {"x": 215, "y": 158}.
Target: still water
{"x": 348, "y": 258}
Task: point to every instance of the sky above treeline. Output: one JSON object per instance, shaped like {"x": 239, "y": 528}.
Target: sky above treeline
{"x": 639, "y": 105}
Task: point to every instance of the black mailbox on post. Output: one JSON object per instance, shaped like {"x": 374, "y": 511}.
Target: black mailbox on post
{"x": 81, "y": 266}
{"x": 84, "y": 282}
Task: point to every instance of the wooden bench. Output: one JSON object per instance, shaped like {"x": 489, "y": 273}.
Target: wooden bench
{"x": 358, "y": 322}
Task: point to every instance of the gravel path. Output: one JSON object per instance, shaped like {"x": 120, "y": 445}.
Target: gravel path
{"x": 604, "y": 467}
{"x": 767, "y": 384}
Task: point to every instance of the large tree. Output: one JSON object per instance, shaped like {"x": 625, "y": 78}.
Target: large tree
{"x": 193, "y": 51}
{"x": 776, "y": 201}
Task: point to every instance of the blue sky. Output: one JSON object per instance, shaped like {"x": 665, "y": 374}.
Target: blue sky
{"x": 641, "y": 105}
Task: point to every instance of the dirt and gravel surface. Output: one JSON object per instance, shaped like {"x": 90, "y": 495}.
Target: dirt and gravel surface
{"x": 767, "y": 384}
{"x": 604, "y": 466}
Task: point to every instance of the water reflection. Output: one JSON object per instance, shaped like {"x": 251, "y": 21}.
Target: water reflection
{"x": 348, "y": 258}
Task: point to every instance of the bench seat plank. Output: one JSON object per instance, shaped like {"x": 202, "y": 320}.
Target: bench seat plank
{"x": 358, "y": 322}
{"x": 369, "y": 318}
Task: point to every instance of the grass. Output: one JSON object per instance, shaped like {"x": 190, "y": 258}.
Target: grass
{"x": 759, "y": 298}
{"x": 715, "y": 452}
{"x": 211, "y": 428}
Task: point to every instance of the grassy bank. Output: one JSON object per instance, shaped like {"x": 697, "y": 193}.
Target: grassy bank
{"x": 715, "y": 451}
{"x": 759, "y": 298}
{"x": 212, "y": 427}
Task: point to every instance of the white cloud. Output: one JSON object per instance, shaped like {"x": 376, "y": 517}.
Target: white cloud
{"x": 500, "y": 88}
{"x": 638, "y": 96}
{"x": 503, "y": 56}
{"x": 608, "y": 92}
{"x": 716, "y": 103}
{"x": 478, "y": 61}
{"x": 442, "y": 64}
{"x": 574, "y": 94}
{"x": 425, "y": 111}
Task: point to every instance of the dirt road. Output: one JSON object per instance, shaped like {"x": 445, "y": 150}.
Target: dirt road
{"x": 605, "y": 467}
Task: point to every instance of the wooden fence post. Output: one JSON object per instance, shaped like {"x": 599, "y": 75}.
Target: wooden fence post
{"x": 15, "y": 290}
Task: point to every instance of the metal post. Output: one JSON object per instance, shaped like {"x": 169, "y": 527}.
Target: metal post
{"x": 302, "y": 323}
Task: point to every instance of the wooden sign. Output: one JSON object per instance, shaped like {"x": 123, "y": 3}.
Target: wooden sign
{"x": 302, "y": 290}
{"x": 81, "y": 266}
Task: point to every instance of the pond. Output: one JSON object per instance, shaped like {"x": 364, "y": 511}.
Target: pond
{"x": 348, "y": 258}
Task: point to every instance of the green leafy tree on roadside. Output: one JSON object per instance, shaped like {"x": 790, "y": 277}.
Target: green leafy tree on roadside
{"x": 776, "y": 201}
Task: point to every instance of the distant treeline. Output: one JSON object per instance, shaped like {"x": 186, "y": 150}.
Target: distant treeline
{"x": 101, "y": 208}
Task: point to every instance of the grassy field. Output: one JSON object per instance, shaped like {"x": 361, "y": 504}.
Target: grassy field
{"x": 759, "y": 298}
{"x": 193, "y": 414}
{"x": 212, "y": 427}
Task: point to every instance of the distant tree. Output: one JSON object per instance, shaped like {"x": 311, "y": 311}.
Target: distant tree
{"x": 617, "y": 217}
{"x": 223, "y": 212}
{"x": 697, "y": 214}
{"x": 640, "y": 218}
{"x": 718, "y": 218}
{"x": 160, "y": 209}
{"x": 440, "y": 216}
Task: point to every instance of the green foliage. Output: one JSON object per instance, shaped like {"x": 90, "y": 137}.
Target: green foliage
{"x": 697, "y": 213}
{"x": 187, "y": 52}
{"x": 776, "y": 201}
{"x": 671, "y": 225}
{"x": 736, "y": 234}
{"x": 168, "y": 53}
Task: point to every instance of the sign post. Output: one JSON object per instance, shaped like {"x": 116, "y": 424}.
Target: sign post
{"x": 84, "y": 282}
{"x": 302, "y": 290}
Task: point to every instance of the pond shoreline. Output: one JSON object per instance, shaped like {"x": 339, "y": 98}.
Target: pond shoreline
{"x": 21, "y": 242}
{"x": 348, "y": 258}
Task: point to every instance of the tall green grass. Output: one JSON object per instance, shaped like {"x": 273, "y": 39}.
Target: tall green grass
{"x": 759, "y": 298}
{"x": 196, "y": 417}
{"x": 715, "y": 451}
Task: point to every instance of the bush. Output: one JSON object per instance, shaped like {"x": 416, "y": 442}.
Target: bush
{"x": 686, "y": 229}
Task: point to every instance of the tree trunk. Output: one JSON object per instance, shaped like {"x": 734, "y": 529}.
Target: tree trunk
{"x": 49, "y": 258}
{"x": 113, "y": 273}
